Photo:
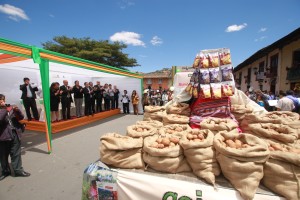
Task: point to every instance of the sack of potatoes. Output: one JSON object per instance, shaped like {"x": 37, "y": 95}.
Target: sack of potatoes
{"x": 175, "y": 129}
{"x": 179, "y": 108}
{"x": 282, "y": 170}
{"x": 164, "y": 154}
{"x": 241, "y": 158}
{"x": 137, "y": 131}
{"x": 152, "y": 109}
{"x": 218, "y": 124}
{"x": 175, "y": 119}
{"x": 199, "y": 151}
{"x": 154, "y": 116}
{"x": 153, "y": 123}
{"x": 121, "y": 151}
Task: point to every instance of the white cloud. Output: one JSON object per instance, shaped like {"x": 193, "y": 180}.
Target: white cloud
{"x": 130, "y": 38}
{"x": 262, "y": 29}
{"x": 126, "y": 3}
{"x": 260, "y": 39}
{"x": 52, "y": 16}
{"x": 13, "y": 12}
{"x": 156, "y": 41}
{"x": 235, "y": 27}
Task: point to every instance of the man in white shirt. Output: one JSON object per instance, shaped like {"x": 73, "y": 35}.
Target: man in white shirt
{"x": 284, "y": 103}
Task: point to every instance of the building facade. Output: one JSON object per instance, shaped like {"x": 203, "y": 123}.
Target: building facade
{"x": 273, "y": 68}
{"x": 158, "y": 80}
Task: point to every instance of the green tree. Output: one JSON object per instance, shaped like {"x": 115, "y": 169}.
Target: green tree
{"x": 101, "y": 51}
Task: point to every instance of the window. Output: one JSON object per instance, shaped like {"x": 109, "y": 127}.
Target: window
{"x": 296, "y": 59}
{"x": 159, "y": 81}
{"x": 274, "y": 64}
{"x": 261, "y": 66}
{"x": 149, "y": 81}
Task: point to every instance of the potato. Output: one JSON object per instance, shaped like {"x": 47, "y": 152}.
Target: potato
{"x": 195, "y": 136}
{"x": 139, "y": 129}
{"x": 155, "y": 145}
{"x": 197, "y": 140}
{"x": 174, "y": 140}
{"x": 238, "y": 143}
{"x": 159, "y": 140}
{"x": 271, "y": 148}
{"x": 190, "y": 136}
{"x": 200, "y": 136}
{"x": 230, "y": 143}
{"x": 172, "y": 144}
{"x": 195, "y": 131}
{"x": 160, "y": 146}
{"x": 179, "y": 129}
{"x": 165, "y": 141}
{"x": 169, "y": 131}
{"x": 277, "y": 147}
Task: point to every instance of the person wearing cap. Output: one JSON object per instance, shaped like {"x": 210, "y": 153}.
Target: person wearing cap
{"x": 10, "y": 139}
{"x": 28, "y": 97}
{"x": 146, "y": 100}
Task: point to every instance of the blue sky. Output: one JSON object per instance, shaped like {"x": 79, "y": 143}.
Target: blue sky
{"x": 159, "y": 33}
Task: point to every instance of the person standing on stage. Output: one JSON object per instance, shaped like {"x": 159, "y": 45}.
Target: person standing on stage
{"x": 10, "y": 135}
{"x": 106, "y": 97}
{"x": 93, "y": 100}
{"x": 66, "y": 100}
{"x": 28, "y": 97}
{"x": 111, "y": 97}
{"x": 78, "y": 98}
{"x": 98, "y": 96}
{"x": 116, "y": 97}
{"x": 87, "y": 99}
{"x": 54, "y": 100}
{"x": 125, "y": 100}
{"x": 135, "y": 102}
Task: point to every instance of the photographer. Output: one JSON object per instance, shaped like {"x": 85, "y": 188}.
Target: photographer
{"x": 10, "y": 135}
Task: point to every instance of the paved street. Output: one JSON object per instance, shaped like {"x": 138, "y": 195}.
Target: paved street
{"x": 59, "y": 175}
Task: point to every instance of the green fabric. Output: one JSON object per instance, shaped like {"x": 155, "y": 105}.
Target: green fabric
{"x": 36, "y": 55}
{"x": 44, "y": 71}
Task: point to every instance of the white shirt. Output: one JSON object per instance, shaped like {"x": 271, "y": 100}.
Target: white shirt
{"x": 285, "y": 104}
{"x": 29, "y": 93}
{"x": 125, "y": 98}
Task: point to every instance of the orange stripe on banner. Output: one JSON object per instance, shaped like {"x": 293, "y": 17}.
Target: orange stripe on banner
{"x": 5, "y": 56}
{"x": 15, "y": 49}
{"x": 13, "y": 59}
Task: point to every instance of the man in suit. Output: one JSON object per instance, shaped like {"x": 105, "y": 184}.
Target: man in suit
{"x": 28, "y": 97}
{"x": 66, "y": 100}
{"x": 99, "y": 96}
{"x": 93, "y": 99}
{"x": 87, "y": 99}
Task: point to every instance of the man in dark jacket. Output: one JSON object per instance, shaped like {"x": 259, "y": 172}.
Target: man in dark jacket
{"x": 66, "y": 100}
{"x": 28, "y": 97}
{"x": 10, "y": 135}
{"x": 99, "y": 96}
{"x": 88, "y": 95}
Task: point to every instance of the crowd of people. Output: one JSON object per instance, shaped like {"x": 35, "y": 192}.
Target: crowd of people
{"x": 157, "y": 97}
{"x": 286, "y": 101}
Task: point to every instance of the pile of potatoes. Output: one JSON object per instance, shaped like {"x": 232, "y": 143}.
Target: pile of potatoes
{"x": 140, "y": 129}
{"x": 196, "y": 135}
{"x": 174, "y": 130}
{"x": 278, "y": 147}
{"x": 235, "y": 143}
{"x": 161, "y": 143}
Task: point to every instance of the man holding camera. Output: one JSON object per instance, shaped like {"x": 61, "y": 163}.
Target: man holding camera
{"x": 10, "y": 136}
{"x": 28, "y": 97}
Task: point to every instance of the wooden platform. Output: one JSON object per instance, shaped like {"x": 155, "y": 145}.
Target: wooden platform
{"x": 69, "y": 124}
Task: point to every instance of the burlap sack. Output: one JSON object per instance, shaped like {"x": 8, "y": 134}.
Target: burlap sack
{"x": 279, "y": 132}
{"x": 154, "y": 116}
{"x": 169, "y": 160}
{"x": 218, "y": 124}
{"x": 152, "y": 109}
{"x": 175, "y": 119}
{"x": 153, "y": 123}
{"x": 239, "y": 111}
{"x": 121, "y": 151}
{"x": 276, "y": 117}
{"x": 282, "y": 174}
{"x": 179, "y": 108}
{"x": 137, "y": 131}
{"x": 176, "y": 129}
{"x": 201, "y": 155}
{"x": 242, "y": 167}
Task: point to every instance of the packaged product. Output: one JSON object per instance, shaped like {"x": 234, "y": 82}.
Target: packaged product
{"x": 205, "y": 91}
{"x": 225, "y": 57}
{"x": 216, "y": 90}
{"x": 204, "y": 76}
{"x": 214, "y": 74}
{"x": 226, "y": 72}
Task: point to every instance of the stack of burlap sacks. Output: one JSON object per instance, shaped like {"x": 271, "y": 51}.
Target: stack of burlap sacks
{"x": 282, "y": 130}
{"x": 244, "y": 168}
